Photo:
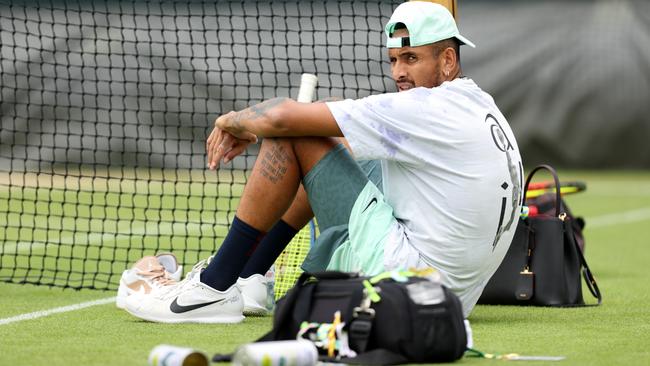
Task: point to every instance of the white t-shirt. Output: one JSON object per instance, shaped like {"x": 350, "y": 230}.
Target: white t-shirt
{"x": 452, "y": 172}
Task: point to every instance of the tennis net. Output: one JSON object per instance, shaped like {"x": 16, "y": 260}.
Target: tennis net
{"x": 105, "y": 107}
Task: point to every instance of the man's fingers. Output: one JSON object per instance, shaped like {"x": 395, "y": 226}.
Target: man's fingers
{"x": 210, "y": 142}
{"x": 235, "y": 151}
{"x": 223, "y": 146}
{"x": 216, "y": 151}
{"x": 210, "y": 146}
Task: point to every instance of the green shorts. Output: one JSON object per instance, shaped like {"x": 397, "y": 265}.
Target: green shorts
{"x": 353, "y": 217}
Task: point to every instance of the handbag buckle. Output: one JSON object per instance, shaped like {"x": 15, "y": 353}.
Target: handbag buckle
{"x": 525, "y": 285}
{"x": 364, "y": 307}
{"x": 361, "y": 324}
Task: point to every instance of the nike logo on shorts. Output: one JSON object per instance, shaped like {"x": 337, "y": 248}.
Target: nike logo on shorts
{"x": 373, "y": 200}
{"x": 179, "y": 309}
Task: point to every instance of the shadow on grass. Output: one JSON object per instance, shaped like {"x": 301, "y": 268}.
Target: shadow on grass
{"x": 490, "y": 314}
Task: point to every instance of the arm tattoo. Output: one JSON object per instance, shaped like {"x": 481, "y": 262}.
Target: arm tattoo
{"x": 275, "y": 162}
{"x": 259, "y": 110}
{"x": 255, "y": 112}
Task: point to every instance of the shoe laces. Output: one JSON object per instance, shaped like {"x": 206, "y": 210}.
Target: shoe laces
{"x": 158, "y": 276}
{"x": 189, "y": 278}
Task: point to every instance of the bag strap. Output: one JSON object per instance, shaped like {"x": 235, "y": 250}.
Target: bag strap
{"x": 292, "y": 301}
{"x": 586, "y": 272}
{"x": 525, "y": 289}
{"x": 550, "y": 169}
{"x": 530, "y": 246}
{"x": 363, "y": 315}
{"x": 360, "y": 328}
{"x": 378, "y": 356}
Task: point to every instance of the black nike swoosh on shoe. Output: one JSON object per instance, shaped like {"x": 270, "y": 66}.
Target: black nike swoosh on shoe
{"x": 179, "y": 309}
{"x": 373, "y": 200}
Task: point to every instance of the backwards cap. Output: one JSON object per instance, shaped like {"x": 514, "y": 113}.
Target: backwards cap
{"x": 426, "y": 23}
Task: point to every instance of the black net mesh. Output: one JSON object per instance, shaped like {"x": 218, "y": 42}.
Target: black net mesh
{"x": 105, "y": 107}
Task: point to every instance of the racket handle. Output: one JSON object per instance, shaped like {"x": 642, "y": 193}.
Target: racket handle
{"x": 307, "y": 87}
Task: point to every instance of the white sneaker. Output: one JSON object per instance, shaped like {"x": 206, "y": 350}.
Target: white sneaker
{"x": 168, "y": 260}
{"x": 148, "y": 273}
{"x": 188, "y": 301}
{"x": 257, "y": 292}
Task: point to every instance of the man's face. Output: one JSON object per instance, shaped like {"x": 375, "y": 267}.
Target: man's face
{"x": 412, "y": 67}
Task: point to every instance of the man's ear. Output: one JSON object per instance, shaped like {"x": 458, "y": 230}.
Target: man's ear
{"x": 449, "y": 61}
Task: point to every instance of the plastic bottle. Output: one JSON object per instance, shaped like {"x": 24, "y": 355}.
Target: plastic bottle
{"x": 277, "y": 353}
{"x": 468, "y": 331}
{"x": 169, "y": 355}
{"x": 270, "y": 288}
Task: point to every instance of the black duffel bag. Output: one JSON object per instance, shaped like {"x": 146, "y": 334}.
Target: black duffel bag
{"x": 389, "y": 319}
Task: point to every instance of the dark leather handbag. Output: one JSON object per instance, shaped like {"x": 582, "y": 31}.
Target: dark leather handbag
{"x": 543, "y": 264}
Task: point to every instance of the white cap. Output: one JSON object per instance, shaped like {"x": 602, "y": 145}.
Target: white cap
{"x": 426, "y": 22}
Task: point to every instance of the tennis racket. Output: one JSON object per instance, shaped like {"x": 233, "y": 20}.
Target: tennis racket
{"x": 308, "y": 84}
{"x": 287, "y": 266}
{"x": 536, "y": 189}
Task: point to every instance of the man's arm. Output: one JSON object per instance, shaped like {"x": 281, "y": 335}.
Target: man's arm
{"x": 278, "y": 117}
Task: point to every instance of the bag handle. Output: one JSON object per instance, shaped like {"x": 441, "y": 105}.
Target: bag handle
{"x": 551, "y": 170}
{"x": 586, "y": 272}
{"x": 326, "y": 275}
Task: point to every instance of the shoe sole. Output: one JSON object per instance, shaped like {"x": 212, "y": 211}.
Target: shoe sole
{"x": 256, "y": 311}
{"x": 254, "y": 308}
{"x": 122, "y": 294}
{"x": 221, "y": 319}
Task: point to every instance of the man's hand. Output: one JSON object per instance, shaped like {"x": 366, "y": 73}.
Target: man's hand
{"x": 232, "y": 123}
{"x": 223, "y": 145}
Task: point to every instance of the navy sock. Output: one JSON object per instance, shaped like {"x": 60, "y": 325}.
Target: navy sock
{"x": 269, "y": 249}
{"x": 236, "y": 249}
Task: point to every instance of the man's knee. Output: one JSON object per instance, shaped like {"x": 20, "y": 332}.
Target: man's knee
{"x": 307, "y": 150}
{"x": 313, "y": 145}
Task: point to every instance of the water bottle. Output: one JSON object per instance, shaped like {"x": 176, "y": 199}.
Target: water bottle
{"x": 270, "y": 288}
{"x": 169, "y": 355}
{"x": 468, "y": 330}
{"x": 277, "y": 353}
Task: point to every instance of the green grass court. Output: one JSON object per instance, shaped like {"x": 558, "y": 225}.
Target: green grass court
{"x": 616, "y": 207}
{"x": 71, "y": 225}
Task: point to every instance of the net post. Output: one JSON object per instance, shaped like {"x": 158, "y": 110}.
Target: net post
{"x": 451, "y": 5}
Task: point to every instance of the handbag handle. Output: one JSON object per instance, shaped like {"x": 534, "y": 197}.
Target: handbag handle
{"x": 555, "y": 179}
{"x": 590, "y": 280}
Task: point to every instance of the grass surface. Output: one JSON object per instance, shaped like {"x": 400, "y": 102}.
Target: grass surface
{"x": 83, "y": 231}
{"x": 616, "y": 207}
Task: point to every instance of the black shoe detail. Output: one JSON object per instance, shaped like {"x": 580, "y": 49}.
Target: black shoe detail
{"x": 179, "y": 309}
{"x": 373, "y": 200}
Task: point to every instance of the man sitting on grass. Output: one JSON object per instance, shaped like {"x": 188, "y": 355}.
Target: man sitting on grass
{"x": 436, "y": 181}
